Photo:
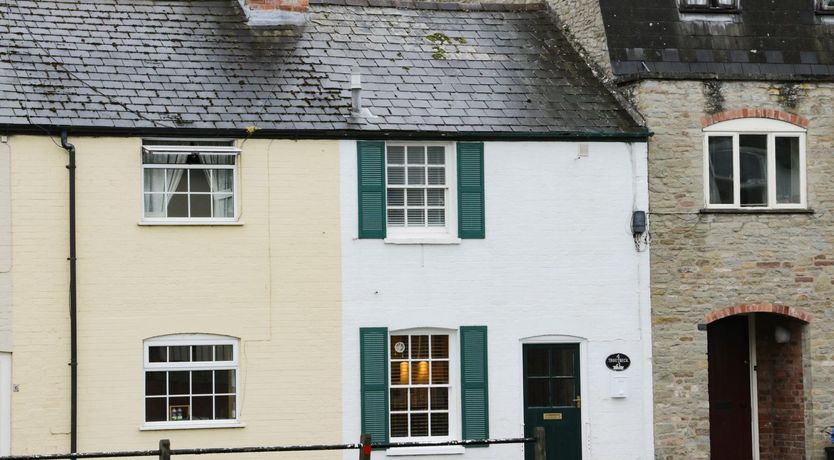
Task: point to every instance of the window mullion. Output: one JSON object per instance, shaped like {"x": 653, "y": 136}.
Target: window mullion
{"x": 771, "y": 170}
{"x": 736, "y": 172}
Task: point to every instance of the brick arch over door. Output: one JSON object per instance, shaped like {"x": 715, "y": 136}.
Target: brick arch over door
{"x": 741, "y": 309}
{"x": 755, "y": 113}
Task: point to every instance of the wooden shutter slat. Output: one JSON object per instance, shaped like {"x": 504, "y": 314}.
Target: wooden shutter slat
{"x": 373, "y": 342}
{"x": 371, "y": 181}
{"x": 474, "y": 382}
{"x": 471, "y": 219}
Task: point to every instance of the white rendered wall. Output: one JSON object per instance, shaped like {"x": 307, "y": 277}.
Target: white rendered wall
{"x": 558, "y": 264}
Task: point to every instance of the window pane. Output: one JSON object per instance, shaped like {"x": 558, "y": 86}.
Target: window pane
{"x": 440, "y": 372}
{"x": 787, "y": 170}
{"x": 223, "y": 353}
{"x": 399, "y": 425}
{"x": 201, "y": 382}
{"x": 179, "y": 409}
{"x": 439, "y": 398}
{"x": 537, "y": 364}
{"x": 416, "y": 197}
{"x": 396, "y": 197}
{"x": 396, "y": 175}
{"x": 157, "y": 354}
{"x": 436, "y": 197}
{"x": 155, "y": 410}
{"x": 177, "y": 205}
{"x": 200, "y": 205}
{"x": 562, "y": 363}
{"x": 154, "y": 205}
{"x": 720, "y": 170}
{"x": 753, "y": 169}
{"x": 436, "y": 217}
{"x": 400, "y": 372}
{"x": 224, "y": 407}
{"x": 436, "y": 155}
{"x": 437, "y": 176}
{"x": 155, "y": 383}
{"x": 177, "y": 180}
{"x": 399, "y": 346}
{"x": 420, "y": 372}
{"x": 224, "y": 381}
{"x": 439, "y": 424}
{"x": 416, "y": 155}
{"x": 419, "y": 346}
{"x": 419, "y": 399}
{"x": 201, "y": 408}
{"x": 163, "y": 159}
{"x": 396, "y": 155}
{"x": 224, "y": 205}
{"x": 563, "y": 392}
{"x": 417, "y": 176}
{"x": 179, "y": 354}
{"x": 222, "y": 180}
{"x": 419, "y": 424}
{"x": 200, "y": 180}
{"x": 399, "y": 399}
{"x": 416, "y": 217}
{"x": 155, "y": 180}
{"x": 201, "y": 352}
{"x": 538, "y": 392}
{"x": 439, "y": 346}
{"x": 396, "y": 217}
{"x": 179, "y": 383}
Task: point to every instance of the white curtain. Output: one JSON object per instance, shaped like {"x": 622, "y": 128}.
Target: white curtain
{"x": 221, "y": 183}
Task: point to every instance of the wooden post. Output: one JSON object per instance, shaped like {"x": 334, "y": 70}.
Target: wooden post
{"x": 541, "y": 450}
{"x": 164, "y": 449}
{"x": 365, "y": 449}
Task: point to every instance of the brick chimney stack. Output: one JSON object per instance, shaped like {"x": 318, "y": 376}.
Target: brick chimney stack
{"x": 265, "y": 13}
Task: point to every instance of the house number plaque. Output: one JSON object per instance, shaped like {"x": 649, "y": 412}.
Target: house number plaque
{"x": 618, "y": 362}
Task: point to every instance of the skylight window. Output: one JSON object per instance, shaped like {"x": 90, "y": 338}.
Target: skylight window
{"x": 710, "y": 5}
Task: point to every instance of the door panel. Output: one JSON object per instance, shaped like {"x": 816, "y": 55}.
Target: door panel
{"x": 731, "y": 436}
{"x": 552, "y": 399}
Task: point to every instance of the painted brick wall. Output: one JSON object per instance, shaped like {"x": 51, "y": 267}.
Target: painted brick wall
{"x": 704, "y": 262}
{"x": 273, "y": 281}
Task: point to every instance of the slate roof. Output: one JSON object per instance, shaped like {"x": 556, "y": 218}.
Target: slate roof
{"x": 162, "y": 64}
{"x": 776, "y": 39}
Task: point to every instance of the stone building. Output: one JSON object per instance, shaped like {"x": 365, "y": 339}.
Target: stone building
{"x": 739, "y": 98}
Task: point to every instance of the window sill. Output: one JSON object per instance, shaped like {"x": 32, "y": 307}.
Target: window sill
{"x": 185, "y": 223}
{"x": 757, "y": 211}
{"x": 433, "y": 450}
{"x": 710, "y": 10}
{"x": 191, "y": 426}
{"x": 422, "y": 240}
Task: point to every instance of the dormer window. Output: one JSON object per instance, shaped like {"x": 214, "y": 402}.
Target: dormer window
{"x": 826, "y": 6}
{"x": 711, "y": 5}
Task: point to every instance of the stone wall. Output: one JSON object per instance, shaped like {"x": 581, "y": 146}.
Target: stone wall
{"x": 703, "y": 262}
{"x": 582, "y": 20}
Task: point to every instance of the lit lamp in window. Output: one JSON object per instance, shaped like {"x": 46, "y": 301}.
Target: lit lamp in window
{"x": 422, "y": 373}
{"x": 404, "y": 373}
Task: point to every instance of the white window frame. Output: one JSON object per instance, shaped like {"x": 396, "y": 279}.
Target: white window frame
{"x": 823, "y": 6}
{"x": 756, "y": 126}
{"x": 190, "y": 340}
{"x": 428, "y": 235}
{"x": 688, "y": 5}
{"x": 454, "y": 391}
{"x": 161, "y": 148}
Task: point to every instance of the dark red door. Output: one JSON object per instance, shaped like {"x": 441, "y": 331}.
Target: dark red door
{"x": 730, "y": 431}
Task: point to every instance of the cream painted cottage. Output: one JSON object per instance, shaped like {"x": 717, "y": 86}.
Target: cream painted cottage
{"x": 242, "y": 225}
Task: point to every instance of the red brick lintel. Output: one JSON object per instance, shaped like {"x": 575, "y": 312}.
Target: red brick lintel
{"x": 758, "y": 308}
{"x": 755, "y": 113}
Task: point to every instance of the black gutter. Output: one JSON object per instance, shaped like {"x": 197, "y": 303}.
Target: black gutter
{"x": 638, "y": 135}
{"x": 625, "y": 79}
{"x": 73, "y": 299}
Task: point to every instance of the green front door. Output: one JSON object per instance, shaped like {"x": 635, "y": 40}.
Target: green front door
{"x": 552, "y": 399}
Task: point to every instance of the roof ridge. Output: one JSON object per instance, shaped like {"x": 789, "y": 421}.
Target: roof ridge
{"x": 512, "y": 5}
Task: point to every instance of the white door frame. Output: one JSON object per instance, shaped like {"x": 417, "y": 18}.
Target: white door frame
{"x": 754, "y": 387}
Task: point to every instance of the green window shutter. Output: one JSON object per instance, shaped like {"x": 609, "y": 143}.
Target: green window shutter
{"x": 373, "y": 342}
{"x": 473, "y": 382}
{"x": 371, "y": 170}
{"x": 471, "y": 190}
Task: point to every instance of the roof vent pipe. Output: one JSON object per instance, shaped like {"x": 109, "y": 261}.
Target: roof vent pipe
{"x": 358, "y": 114}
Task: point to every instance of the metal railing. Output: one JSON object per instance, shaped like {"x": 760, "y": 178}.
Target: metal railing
{"x": 365, "y": 447}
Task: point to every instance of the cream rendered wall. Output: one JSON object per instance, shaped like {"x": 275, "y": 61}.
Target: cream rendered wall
{"x": 273, "y": 282}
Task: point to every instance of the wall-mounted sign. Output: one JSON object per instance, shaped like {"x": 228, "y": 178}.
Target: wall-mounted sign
{"x": 618, "y": 362}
